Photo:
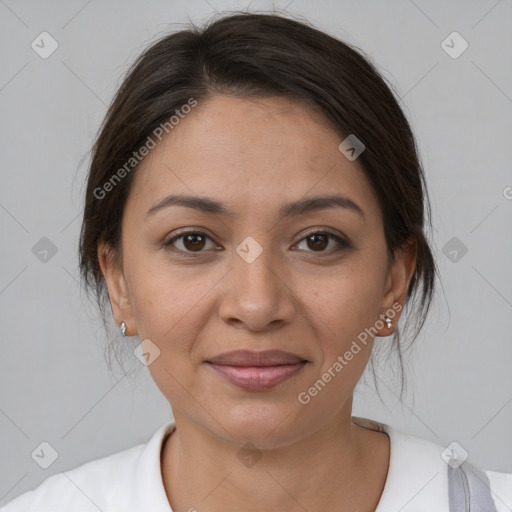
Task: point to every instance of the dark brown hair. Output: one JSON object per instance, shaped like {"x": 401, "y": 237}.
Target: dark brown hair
{"x": 251, "y": 55}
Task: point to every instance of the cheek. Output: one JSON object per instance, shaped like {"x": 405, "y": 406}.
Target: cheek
{"x": 344, "y": 306}
{"x": 341, "y": 315}
{"x": 162, "y": 297}
{"x": 167, "y": 309}
{"x": 170, "y": 309}
{"x": 347, "y": 301}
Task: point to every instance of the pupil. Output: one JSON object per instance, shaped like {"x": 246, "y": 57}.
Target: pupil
{"x": 315, "y": 238}
{"x": 318, "y": 241}
{"x": 196, "y": 244}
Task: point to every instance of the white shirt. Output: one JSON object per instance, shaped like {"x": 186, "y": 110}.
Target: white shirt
{"x": 131, "y": 480}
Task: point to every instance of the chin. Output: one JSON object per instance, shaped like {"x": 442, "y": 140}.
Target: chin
{"x": 265, "y": 426}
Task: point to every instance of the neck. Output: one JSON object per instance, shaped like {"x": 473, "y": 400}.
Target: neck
{"x": 340, "y": 466}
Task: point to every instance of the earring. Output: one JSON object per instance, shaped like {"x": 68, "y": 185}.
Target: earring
{"x": 122, "y": 329}
{"x": 388, "y": 322}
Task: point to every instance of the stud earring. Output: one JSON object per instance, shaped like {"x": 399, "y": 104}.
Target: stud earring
{"x": 388, "y": 322}
{"x": 122, "y": 329}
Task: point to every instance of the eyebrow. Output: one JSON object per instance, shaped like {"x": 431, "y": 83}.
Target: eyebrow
{"x": 300, "y": 207}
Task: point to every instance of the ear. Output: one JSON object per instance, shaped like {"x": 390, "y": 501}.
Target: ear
{"x": 122, "y": 310}
{"x": 397, "y": 283}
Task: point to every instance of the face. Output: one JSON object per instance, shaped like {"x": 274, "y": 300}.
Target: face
{"x": 257, "y": 276}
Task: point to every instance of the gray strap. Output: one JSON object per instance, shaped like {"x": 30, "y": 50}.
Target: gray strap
{"x": 469, "y": 490}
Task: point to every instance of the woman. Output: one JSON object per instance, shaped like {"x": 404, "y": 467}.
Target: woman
{"x": 255, "y": 214}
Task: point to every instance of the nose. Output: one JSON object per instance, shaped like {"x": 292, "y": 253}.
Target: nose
{"x": 258, "y": 295}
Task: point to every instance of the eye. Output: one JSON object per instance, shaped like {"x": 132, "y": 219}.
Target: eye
{"x": 319, "y": 240}
{"x": 195, "y": 241}
{"x": 192, "y": 241}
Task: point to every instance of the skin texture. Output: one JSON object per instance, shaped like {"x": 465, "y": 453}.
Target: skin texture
{"x": 254, "y": 156}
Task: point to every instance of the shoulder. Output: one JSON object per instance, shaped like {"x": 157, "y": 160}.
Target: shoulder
{"x": 90, "y": 486}
{"x": 107, "y": 484}
{"x": 501, "y": 489}
{"x": 419, "y": 474}
{"x": 496, "y": 485}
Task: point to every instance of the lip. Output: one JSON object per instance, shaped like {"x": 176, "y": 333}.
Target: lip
{"x": 251, "y": 358}
{"x": 257, "y": 371}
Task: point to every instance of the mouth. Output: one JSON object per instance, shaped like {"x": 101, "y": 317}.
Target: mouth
{"x": 257, "y": 371}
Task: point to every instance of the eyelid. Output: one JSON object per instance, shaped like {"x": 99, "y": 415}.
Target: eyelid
{"x": 341, "y": 240}
{"x": 181, "y": 234}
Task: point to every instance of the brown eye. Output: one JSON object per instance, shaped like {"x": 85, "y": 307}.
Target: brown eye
{"x": 191, "y": 241}
{"x": 319, "y": 240}
{"x": 194, "y": 241}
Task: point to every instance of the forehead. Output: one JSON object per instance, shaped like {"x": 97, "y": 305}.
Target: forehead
{"x": 254, "y": 155}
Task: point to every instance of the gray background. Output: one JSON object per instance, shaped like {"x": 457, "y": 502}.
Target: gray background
{"x": 54, "y": 380}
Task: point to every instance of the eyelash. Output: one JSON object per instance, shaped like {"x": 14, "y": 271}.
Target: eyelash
{"x": 343, "y": 244}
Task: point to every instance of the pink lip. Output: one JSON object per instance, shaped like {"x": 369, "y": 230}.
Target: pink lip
{"x": 257, "y": 378}
{"x": 251, "y": 358}
{"x": 257, "y": 370}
